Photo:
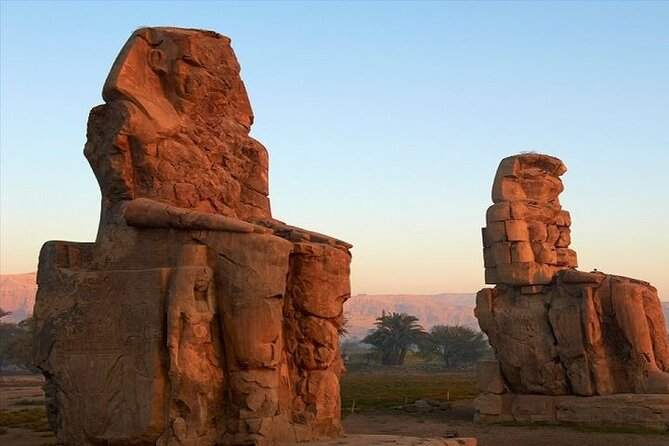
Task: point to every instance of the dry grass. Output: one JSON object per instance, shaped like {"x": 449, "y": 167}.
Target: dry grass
{"x": 384, "y": 388}
{"x": 32, "y": 419}
{"x": 25, "y": 402}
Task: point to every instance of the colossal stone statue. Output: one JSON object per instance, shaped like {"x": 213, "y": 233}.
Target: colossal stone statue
{"x": 195, "y": 318}
{"x": 556, "y": 330}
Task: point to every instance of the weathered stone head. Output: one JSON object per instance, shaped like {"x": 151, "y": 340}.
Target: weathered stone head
{"x": 529, "y": 177}
{"x": 175, "y": 127}
{"x": 173, "y": 73}
{"x": 527, "y": 236}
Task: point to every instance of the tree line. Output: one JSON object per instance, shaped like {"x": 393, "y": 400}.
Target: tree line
{"x": 398, "y": 334}
{"x": 15, "y": 345}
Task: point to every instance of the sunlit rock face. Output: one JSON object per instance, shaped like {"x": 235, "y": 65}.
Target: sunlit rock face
{"x": 527, "y": 236}
{"x": 556, "y": 330}
{"x": 195, "y": 318}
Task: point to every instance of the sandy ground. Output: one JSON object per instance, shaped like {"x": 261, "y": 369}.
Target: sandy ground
{"x": 395, "y": 440}
{"x": 389, "y": 422}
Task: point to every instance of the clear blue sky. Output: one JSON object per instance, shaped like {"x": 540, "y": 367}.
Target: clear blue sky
{"x": 385, "y": 122}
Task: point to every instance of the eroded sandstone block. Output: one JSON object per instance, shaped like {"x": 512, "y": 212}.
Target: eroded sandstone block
{"x": 623, "y": 410}
{"x": 586, "y": 340}
{"x": 195, "y": 318}
{"x": 489, "y": 377}
{"x": 527, "y": 213}
{"x": 608, "y": 411}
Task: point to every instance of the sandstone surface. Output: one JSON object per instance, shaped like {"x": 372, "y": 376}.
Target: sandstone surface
{"x": 527, "y": 236}
{"x": 556, "y": 330}
{"x": 195, "y": 318}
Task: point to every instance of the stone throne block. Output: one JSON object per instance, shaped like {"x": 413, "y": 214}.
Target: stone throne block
{"x": 195, "y": 318}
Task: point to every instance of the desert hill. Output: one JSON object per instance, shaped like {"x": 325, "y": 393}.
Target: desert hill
{"x": 17, "y": 294}
{"x": 448, "y": 309}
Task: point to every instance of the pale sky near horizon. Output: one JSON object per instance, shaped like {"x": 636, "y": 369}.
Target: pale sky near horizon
{"x": 385, "y": 122}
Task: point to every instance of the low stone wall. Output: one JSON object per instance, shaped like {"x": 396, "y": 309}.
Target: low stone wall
{"x": 621, "y": 410}
{"x": 627, "y": 410}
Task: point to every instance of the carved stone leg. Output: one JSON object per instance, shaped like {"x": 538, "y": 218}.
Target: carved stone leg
{"x": 196, "y": 375}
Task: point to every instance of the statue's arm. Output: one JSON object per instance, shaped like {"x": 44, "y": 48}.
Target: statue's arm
{"x": 147, "y": 213}
{"x": 295, "y": 234}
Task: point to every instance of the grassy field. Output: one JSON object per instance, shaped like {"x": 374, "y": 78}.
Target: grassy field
{"x": 385, "y": 387}
{"x": 31, "y": 419}
{"x": 373, "y": 387}
{"x": 22, "y": 412}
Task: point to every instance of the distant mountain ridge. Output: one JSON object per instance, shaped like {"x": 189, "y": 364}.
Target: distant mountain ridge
{"x": 362, "y": 310}
{"x": 17, "y": 294}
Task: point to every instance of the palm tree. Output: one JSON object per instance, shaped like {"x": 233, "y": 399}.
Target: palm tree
{"x": 395, "y": 334}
